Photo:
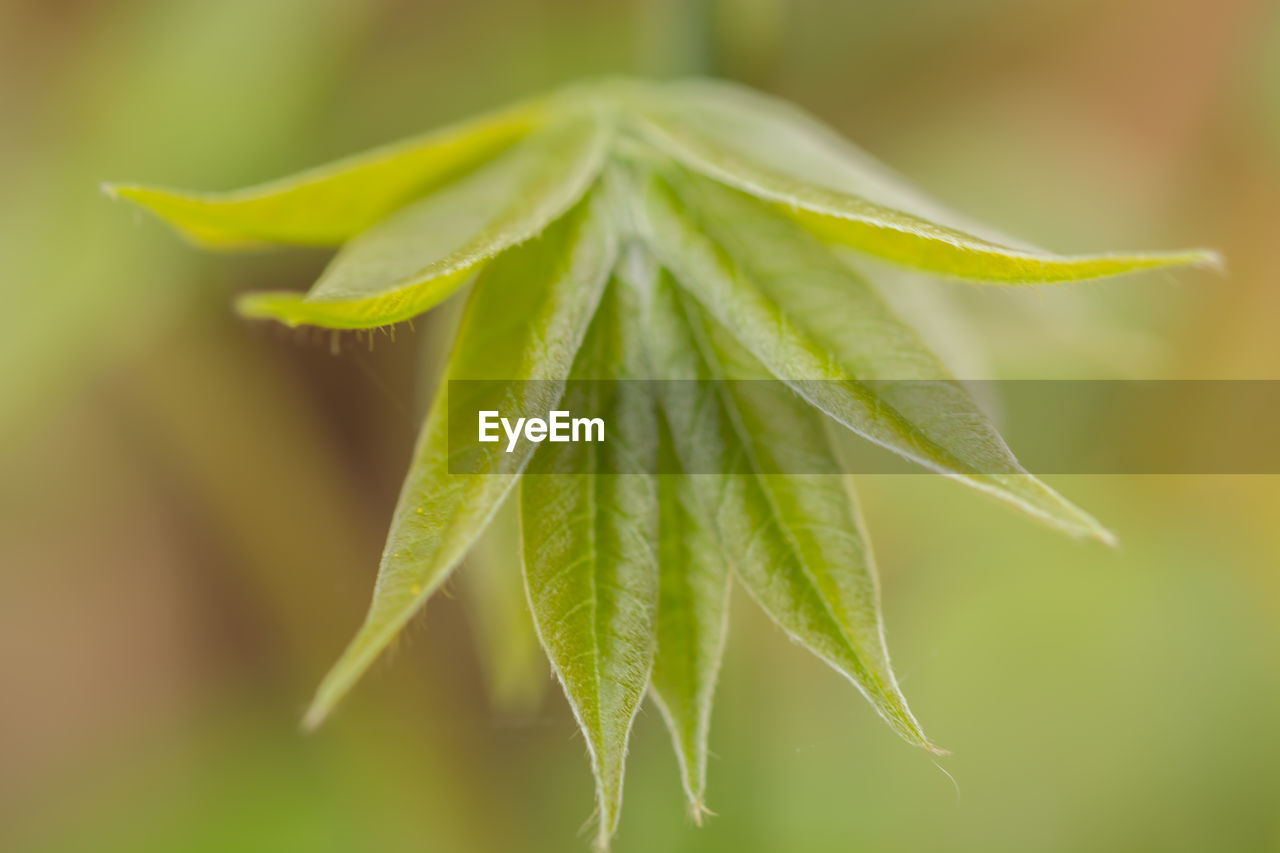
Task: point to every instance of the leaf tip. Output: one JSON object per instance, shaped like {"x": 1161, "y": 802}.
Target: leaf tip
{"x": 1046, "y": 505}
{"x": 892, "y": 708}
{"x": 136, "y": 193}
{"x": 1090, "y": 529}
{"x": 915, "y": 736}
{"x": 1195, "y": 258}
{"x": 1080, "y": 525}
{"x": 698, "y": 811}
{"x": 314, "y": 717}
{"x": 608, "y": 808}
{"x": 334, "y": 686}
{"x": 1207, "y": 259}
{"x": 606, "y": 826}
{"x": 278, "y": 305}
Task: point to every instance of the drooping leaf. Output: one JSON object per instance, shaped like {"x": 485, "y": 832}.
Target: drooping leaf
{"x": 795, "y": 540}
{"x": 693, "y": 612}
{"x": 590, "y": 525}
{"x": 328, "y": 205}
{"x": 491, "y": 587}
{"x": 526, "y": 318}
{"x": 816, "y": 324}
{"x": 693, "y": 606}
{"x": 419, "y": 255}
{"x": 775, "y": 152}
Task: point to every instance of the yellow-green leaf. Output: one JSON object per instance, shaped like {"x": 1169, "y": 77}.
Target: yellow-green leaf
{"x": 775, "y": 152}
{"x": 795, "y": 540}
{"x": 328, "y": 205}
{"x": 419, "y": 255}
{"x": 492, "y": 590}
{"x": 693, "y": 614}
{"x": 590, "y": 525}
{"x": 525, "y": 320}
{"x": 816, "y": 324}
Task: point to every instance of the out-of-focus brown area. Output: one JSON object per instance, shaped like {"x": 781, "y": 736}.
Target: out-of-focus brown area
{"x": 192, "y": 505}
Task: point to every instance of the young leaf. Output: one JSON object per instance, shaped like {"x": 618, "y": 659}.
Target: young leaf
{"x": 775, "y": 152}
{"x": 590, "y": 557}
{"x": 693, "y": 616}
{"x": 795, "y": 541}
{"x": 492, "y": 590}
{"x": 742, "y": 199}
{"x": 526, "y": 318}
{"x": 815, "y": 324}
{"x": 419, "y": 255}
{"x": 330, "y": 204}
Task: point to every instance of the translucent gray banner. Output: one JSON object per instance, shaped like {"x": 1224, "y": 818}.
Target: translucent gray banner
{"x": 697, "y": 427}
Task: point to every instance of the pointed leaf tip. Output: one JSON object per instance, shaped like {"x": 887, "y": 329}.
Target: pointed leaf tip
{"x": 1206, "y": 259}
{"x": 280, "y": 305}
{"x": 698, "y": 810}
{"x": 314, "y": 717}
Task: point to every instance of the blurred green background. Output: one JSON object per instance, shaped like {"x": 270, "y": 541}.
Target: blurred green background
{"x": 192, "y": 506}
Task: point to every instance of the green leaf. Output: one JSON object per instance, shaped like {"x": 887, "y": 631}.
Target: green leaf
{"x": 590, "y": 557}
{"x": 737, "y": 213}
{"x": 330, "y": 204}
{"x": 492, "y": 590}
{"x": 795, "y": 540}
{"x": 817, "y": 325}
{"x": 774, "y": 151}
{"x": 693, "y": 612}
{"x": 419, "y": 255}
{"x": 526, "y": 318}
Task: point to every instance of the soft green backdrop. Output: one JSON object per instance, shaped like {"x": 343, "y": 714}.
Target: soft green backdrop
{"x": 191, "y": 506}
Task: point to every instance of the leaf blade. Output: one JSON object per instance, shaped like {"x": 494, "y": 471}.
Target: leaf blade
{"x": 327, "y": 205}
{"x": 834, "y": 340}
{"x": 589, "y": 538}
{"x": 493, "y": 592}
{"x": 421, "y": 254}
{"x": 692, "y": 626}
{"x": 440, "y": 514}
{"x": 796, "y": 541}
{"x": 775, "y": 152}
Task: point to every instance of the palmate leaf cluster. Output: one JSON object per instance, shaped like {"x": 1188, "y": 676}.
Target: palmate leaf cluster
{"x": 633, "y": 230}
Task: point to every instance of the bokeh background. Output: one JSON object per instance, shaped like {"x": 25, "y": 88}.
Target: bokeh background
{"x": 192, "y": 505}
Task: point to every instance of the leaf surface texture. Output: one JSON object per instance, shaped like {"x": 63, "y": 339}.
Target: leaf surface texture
{"x": 510, "y": 331}
{"x": 328, "y": 205}
{"x": 590, "y": 550}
